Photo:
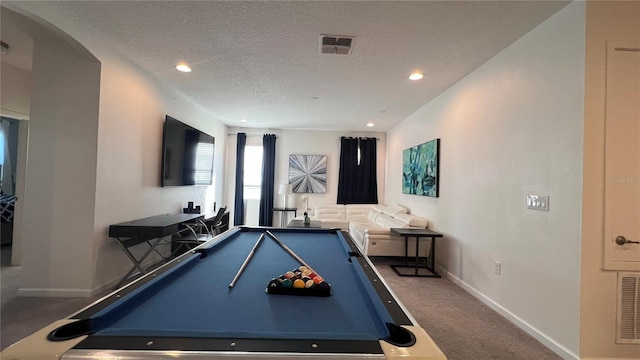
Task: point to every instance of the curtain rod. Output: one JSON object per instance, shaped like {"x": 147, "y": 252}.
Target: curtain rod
{"x": 250, "y": 133}
{"x": 357, "y": 137}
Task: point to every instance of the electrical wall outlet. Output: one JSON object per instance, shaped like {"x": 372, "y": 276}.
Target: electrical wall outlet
{"x": 497, "y": 267}
{"x": 538, "y": 202}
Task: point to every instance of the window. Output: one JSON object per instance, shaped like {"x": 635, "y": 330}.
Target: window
{"x": 252, "y": 172}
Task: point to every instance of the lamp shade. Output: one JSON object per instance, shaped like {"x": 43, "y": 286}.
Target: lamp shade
{"x": 285, "y": 189}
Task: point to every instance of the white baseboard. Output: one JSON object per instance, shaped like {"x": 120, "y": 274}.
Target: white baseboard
{"x": 35, "y": 292}
{"x": 526, "y": 327}
{"x": 111, "y": 285}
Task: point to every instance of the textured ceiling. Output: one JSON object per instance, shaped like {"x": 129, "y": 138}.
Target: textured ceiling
{"x": 260, "y": 60}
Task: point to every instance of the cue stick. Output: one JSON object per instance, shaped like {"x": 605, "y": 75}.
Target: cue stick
{"x": 246, "y": 261}
{"x": 290, "y": 251}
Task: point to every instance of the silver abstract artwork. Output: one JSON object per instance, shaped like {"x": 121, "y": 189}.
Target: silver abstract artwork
{"x": 308, "y": 173}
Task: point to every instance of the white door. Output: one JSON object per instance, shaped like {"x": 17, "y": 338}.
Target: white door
{"x": 622, "y": 158}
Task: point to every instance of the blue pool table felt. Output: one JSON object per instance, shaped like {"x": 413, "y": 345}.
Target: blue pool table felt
{"x": 194, "y": 298}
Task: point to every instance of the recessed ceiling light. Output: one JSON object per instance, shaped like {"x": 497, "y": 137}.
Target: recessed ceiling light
{"x": 183, "y": 67}
{"x": 416, "y": 76}
{"x": 370, "y": 124}
{"x": 243, "y": 120}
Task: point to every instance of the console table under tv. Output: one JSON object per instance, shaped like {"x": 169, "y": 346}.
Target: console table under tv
{"x": 150, "y": 230}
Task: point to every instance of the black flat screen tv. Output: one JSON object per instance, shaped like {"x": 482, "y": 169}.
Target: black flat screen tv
{"x": 187, "y": 155}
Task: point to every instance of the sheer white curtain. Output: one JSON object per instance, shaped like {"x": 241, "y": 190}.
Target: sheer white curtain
{"x": 6, "y": 181}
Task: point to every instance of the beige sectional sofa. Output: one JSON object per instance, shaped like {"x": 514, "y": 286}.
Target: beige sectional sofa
{"x": 338, "y": 216}
{"x": 373, "y": 235}
{"x": 370, "y": 226}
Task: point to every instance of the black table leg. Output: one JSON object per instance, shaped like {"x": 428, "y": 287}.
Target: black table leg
{"x": 406, "y": 250}
{"x": 417, "y": 254}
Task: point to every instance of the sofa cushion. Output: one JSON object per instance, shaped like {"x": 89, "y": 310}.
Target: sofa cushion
{"x": 357, "y": 229}
{"x": 413, "y": 221}
{"x": 357, "y": 211}
{"x": 373, "y": 214}
{"x": 392, "y": 210}
{"x": 386, "y": 221}
{"x": 328, "y": 215}
{"x": 330, "y": 211}
{"x": 334, "y": 224}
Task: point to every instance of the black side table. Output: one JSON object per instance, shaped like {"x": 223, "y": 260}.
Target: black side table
{"x": 283, "y": 214}
{"x": 313, "y": 224}
{"x": 431, "y": 262}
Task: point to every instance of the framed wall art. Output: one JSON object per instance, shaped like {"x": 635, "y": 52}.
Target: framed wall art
{"x": 308, "y": 173}
{"x": 421, "y": 169}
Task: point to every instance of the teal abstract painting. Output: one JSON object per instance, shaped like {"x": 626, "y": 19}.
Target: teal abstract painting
{"x": 420, "y": 169}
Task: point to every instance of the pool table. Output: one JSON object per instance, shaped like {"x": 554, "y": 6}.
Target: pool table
{"x": 186, "y": 309}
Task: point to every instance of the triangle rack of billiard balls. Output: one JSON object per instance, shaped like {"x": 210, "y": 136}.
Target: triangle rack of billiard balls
{"x": 300, "y": 281}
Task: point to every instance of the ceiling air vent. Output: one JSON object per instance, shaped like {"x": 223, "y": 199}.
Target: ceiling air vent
{"x": 336, "y": 44}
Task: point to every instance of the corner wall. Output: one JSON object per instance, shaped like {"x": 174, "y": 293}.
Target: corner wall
{"x": 511, "y": 128}
{"x": 58, "y": 203}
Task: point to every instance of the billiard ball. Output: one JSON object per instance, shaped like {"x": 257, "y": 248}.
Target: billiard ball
{"x": 298, "y": 284}
{"x": 286, "y": 283}
{"x": 309, "y": 283}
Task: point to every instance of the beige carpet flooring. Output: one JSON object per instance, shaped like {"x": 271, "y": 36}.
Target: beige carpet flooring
{"x": 462, "y": 326}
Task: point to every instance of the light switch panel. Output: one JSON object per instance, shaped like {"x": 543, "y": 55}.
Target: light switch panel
{"x": 538, "y": 202}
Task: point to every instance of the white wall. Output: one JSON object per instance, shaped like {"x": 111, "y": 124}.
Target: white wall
{"x": 133, "y": 108}
{"x": 512, "y": 127}
{"x": 126, "y": 159}
{"x": 15, "y": 92}
{"x": 301, "y": 142}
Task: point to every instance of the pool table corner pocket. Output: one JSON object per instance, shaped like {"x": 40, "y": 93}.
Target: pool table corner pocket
{"x": 424, "y": 348}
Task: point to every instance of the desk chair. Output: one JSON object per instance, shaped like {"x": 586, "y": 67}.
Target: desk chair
{"x": 216, "y": 227}
{"x": 199, "y": 232}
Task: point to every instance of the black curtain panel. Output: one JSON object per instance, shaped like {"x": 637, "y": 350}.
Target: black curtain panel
{"x": 268, "y": 180}
{"x": 238, "y": 211}
{"x": 357, "y": 179}
{"x": 347, "y": 175}
{"x": 367, "y": 172}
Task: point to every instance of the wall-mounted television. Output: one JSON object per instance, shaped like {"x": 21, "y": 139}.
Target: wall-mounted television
{"x": 187, "y": 155}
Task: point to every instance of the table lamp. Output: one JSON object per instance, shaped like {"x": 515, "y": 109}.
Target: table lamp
{"x": 285, "y": 189}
